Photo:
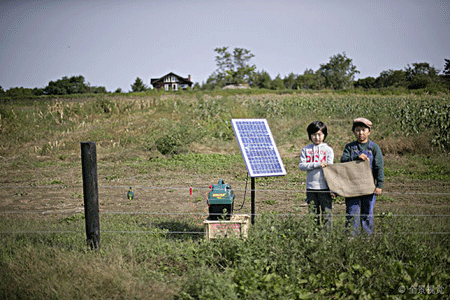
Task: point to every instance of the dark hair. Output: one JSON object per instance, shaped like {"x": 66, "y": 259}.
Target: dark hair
{"x": 356, "y": 124}
{"x": 316, "y": 126}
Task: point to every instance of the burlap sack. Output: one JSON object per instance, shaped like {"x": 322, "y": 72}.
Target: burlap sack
{"x": 350, "y": 179}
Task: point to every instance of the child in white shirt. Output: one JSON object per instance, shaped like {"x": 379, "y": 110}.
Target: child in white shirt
{"x": 313, "y": 159}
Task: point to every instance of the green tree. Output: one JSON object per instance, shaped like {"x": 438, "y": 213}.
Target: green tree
{"x": 366, "y": 83}
{"x": 242, "y": 70}
{"x": 310, "y": 80}
{"x": 66, "y": 86}
{"x": 261, "y": 80}
{"x": 447, "y": 67}
{"x": 232, "y": 68}
{"x": 391, "y": 78}
{"x": 278, "y": 83}
{"x": 421, "y": 75}
{"x": 215, "y": 80}
{"x": 224, "y": 64}
{"x": 138, "y": 86}
{"x": 446, "y": 71}
{"x": 97, "y": 90}
{"x": 290, "y": 81}
{"x": 339, "y": 72}
{"x": 19, "y": 93}
{"x": 38, "y": 92}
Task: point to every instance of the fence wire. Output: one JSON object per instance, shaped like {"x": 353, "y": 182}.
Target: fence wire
{"x": 189, "y": 190}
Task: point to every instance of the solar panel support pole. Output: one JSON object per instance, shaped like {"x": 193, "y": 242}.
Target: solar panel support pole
{"x": 259, "y": 152}
{"x": 253, "y": 213}
{"x": 90, "y": 193}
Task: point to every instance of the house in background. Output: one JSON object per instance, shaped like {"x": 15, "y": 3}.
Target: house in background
{"x": 171, "y": 82}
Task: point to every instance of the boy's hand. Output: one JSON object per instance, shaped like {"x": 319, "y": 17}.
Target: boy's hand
{"x": 323, "y": 164}
{"x": 378, "y": 191}
{"x": 362, "y": 156}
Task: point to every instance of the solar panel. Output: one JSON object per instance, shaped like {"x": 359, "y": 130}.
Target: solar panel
{"x": 258, "y": 147}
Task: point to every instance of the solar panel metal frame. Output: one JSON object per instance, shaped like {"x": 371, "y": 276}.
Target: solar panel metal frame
{"x": 258, "y": 147}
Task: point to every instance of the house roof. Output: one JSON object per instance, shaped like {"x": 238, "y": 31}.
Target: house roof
{"x": 180, "y": 79}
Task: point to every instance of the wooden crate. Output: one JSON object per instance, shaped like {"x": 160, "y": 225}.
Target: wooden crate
{"x": 237, "y": 225}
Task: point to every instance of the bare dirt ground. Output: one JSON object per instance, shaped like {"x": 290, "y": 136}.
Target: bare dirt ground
{"x": 52, "y": 190}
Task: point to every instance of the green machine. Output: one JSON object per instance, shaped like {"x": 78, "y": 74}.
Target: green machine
{"x": 220, "y": 201}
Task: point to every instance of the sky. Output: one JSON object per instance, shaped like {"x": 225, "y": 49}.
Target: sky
{"x": 111, "y": 43}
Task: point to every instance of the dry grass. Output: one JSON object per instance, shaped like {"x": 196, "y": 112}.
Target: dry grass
{"x": 40, "y": 273}
{"x": 40, "y": 171}
{"x": 419, "y": 144}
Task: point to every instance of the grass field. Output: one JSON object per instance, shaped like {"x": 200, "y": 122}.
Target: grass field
{"x": 162, "y": 144}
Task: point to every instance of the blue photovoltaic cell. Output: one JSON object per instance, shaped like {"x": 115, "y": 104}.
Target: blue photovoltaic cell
{"x": 258, "y": 147}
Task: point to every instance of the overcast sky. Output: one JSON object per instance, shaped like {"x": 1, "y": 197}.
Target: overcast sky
{"x": 111, "y": 43}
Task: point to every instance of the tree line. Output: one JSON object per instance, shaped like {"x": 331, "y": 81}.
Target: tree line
{"x": 235, "y": 68}
{"x": 338, "y": 74}
{"x": 63, "y": 86}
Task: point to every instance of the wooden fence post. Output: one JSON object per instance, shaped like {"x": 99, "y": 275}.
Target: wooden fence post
{"x": 90, "y": 193}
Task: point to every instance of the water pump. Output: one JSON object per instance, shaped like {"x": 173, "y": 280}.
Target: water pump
{"x": 220, "y": 201}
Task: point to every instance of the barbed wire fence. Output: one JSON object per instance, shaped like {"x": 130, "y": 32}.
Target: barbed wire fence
{"x": 200, "y": 214}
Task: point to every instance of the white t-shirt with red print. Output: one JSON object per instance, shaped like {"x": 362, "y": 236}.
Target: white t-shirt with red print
{"x": 310, "y": 161}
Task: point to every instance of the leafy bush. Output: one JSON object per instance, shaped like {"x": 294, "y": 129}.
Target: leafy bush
{"x": 289, "y": 258}
{"x": 178, "y": 136}
{"x": 169, "y": 144}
